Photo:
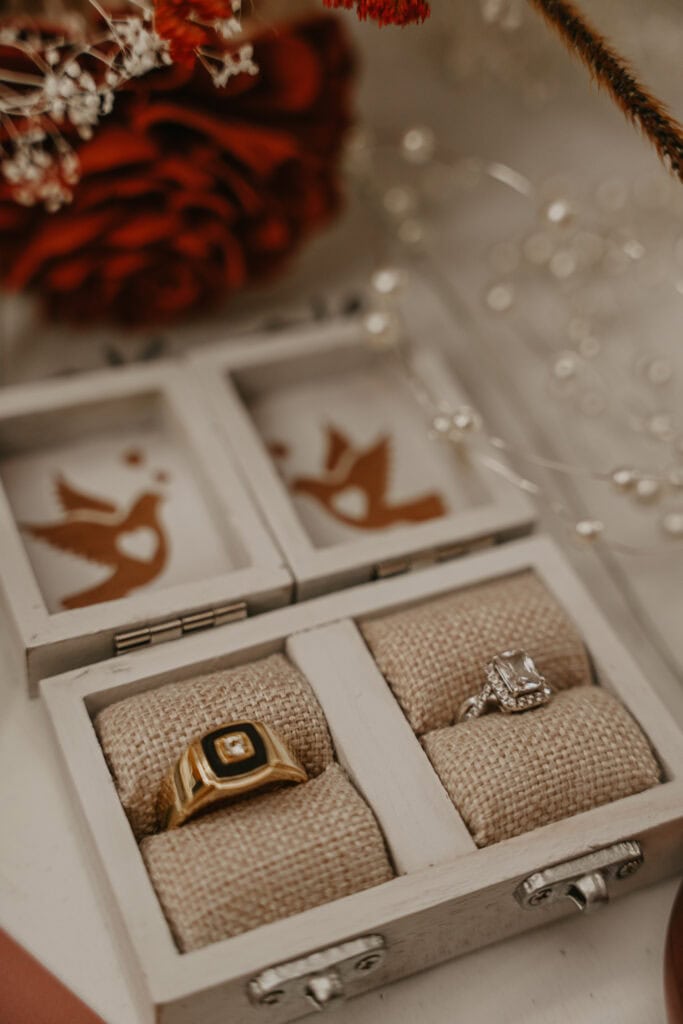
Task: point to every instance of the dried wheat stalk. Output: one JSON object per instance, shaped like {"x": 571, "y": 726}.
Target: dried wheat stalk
{"x": 614, "y": 74}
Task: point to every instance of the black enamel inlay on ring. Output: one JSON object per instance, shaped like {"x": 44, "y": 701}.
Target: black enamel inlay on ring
{"x": 226, "y": 771}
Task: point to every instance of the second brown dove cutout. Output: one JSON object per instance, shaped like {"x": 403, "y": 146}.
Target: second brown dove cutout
{"x": 99, "y": 531}
{"x": 366, "y": 471}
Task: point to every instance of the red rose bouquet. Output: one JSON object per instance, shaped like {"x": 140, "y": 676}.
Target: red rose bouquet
{"x": 188, "y": 192}
{"x": 196, "y": 158}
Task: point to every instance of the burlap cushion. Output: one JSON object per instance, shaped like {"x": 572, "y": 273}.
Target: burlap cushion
{"x": 143, "y": 735}
{"x": 433, "y": 654}
{"x": 508, "y": 774}
{"x": 266, "y": 858}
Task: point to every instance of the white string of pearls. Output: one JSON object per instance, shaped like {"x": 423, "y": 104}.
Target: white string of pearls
{"x": 570, "y": 250}
{"x": 457, "y": 426}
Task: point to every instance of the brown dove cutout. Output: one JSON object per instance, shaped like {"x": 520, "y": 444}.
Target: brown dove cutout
{"x": 98, "y": 531}
{"x": 365, "y": 471}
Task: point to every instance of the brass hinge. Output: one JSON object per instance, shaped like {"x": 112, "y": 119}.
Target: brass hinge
{"x": 173, "y": 629}
{"x": 426, "y": 559}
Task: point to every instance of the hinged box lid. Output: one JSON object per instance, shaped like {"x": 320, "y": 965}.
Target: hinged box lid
{"x": 122, "y": 519}
{"x": 336, "y": 440}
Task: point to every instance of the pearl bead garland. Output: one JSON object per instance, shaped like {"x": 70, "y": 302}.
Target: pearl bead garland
{"x": 672, "y": 524}
{"x": 456, "y": 425}
{"x": 589, "y": 529}
{"x": 382, "y": 330}
{"x": 647, "y": 490}
{"x": 624, "y": 478}
{"x": 387, "y": 281}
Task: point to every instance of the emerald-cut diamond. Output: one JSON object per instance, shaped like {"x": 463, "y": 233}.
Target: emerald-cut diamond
{"x": 513, "y": 683}
{"x": 516, "y": 682}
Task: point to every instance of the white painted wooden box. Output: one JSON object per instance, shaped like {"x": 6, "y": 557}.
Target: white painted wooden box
{"x": 107, "y": 476}
{"x": 335, "y": 446}
{"x": 139, "y": 505}
{"x": 448, "y": 896}
{"x": 290, "y": 467}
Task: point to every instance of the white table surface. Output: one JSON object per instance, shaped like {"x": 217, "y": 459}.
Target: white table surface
{"x": 604, "y": 968}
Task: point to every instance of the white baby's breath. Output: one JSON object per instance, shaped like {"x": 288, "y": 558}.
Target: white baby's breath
{"x": 71, "y": 85}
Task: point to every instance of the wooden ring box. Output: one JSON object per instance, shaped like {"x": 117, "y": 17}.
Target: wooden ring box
{"x": 448, "y": 897}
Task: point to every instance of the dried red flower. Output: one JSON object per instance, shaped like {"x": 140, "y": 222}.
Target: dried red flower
{"x": 186, "y": 25}
{"x": 386, "y": 12}
{"x": 189, "y": 192}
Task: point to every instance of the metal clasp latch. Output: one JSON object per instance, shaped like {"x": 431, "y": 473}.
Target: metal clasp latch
{"x": 583, "y": 881}
{"x": 320, "y": 980}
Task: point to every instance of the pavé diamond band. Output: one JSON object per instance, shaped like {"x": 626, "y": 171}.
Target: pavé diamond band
{"x": 235, "y": 759}
{"x": 513, "y": 684}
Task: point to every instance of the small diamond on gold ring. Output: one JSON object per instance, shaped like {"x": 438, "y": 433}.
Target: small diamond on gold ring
{"x": 513, "y": 684}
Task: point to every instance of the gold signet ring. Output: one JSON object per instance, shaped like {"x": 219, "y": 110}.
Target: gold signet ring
{"x": 235, "y": 759}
